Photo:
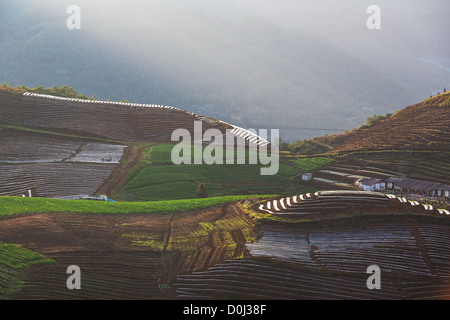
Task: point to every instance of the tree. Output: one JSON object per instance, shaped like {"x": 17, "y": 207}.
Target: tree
{"x": 284, "y": 146}
{"x": 377, "y": 118}
{"x": 201, "y": 191}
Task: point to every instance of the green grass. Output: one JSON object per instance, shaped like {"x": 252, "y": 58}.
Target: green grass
{"x": 13, "y": 258}
{"x": 160, "y": 154}
{"x": 21, "y": 205}
{"x": 159, "y": 179}
{"x": 306, "y": 165}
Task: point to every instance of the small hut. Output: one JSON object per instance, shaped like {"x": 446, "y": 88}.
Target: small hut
{"x": 368, "y": 184}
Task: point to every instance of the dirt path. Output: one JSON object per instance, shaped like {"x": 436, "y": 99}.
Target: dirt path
{"x": 73, "y": 155}
{"x": 312, "y": 252}
{"x": 129, "y": 160}
{"x": 133, "y": 121}
{"x": 422, "y": 245}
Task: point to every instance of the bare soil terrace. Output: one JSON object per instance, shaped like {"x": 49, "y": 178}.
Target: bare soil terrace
{"x": 423, "y": 126}
{"x": 124, "y": 257}
{"x": 221, "y": 253}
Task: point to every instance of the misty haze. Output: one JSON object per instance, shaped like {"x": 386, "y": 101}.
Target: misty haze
{"x": 274, "y": 64}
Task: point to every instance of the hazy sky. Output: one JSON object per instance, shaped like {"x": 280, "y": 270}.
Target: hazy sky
{"x": 339, "y": 20}
{"x": 266, "y": 57}
{"x": 419, "y": 24}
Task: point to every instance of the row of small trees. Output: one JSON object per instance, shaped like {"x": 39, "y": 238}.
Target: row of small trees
{"x": 63, "y": 91}
{"x": 371, "y": 120}
{"x": 445, "y": 90}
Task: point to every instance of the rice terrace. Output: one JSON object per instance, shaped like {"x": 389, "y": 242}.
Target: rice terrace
{"x": 91, "y": 184}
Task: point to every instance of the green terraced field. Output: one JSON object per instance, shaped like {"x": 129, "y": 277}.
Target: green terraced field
{"x": 13, "y": 258}
{"x": 18, "y": 205}
{"x": 16, "y": 257}
{"x": 306, "y": 165}
{"x": 159, "y": 179}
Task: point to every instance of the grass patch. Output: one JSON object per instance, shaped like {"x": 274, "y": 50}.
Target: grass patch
{"x": 21, "y": 205}
{"x": 180, "y": 182}
{"x": 152, "y": 241}
{"x": 157, "y": 178}
{"x": 14, "y": 258}
{"x": 306, "y": 165}
{"x": 161, "y": 154}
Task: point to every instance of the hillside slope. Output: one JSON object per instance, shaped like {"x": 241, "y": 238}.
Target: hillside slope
{"x": 412, "y": 143}
{"x": 420, "y": 127}
{"x": 54, "y": 146}
{"x": 111, "y": 120}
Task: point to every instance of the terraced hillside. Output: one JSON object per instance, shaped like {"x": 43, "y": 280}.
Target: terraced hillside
{"x": 316, "y": 244}
{"x": 66, "y": 147}
{"x": 159, "y": 179}
{"x": 49, "y": 165}
{"x": 419, "y": 127}
{"x": 423, "y": 126}
{"x": 331, "y": 264}
{"x": 331, "y": 203}
{"x": 113, "y": 120}
{"x": 323, "y": 257}
{"x": 122, "y": 256}
{"x": 347, "y": 169}
{"x": 223, "y": 253}
{"x": 412, "y": 143}
{"x": 13, "y": 259}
